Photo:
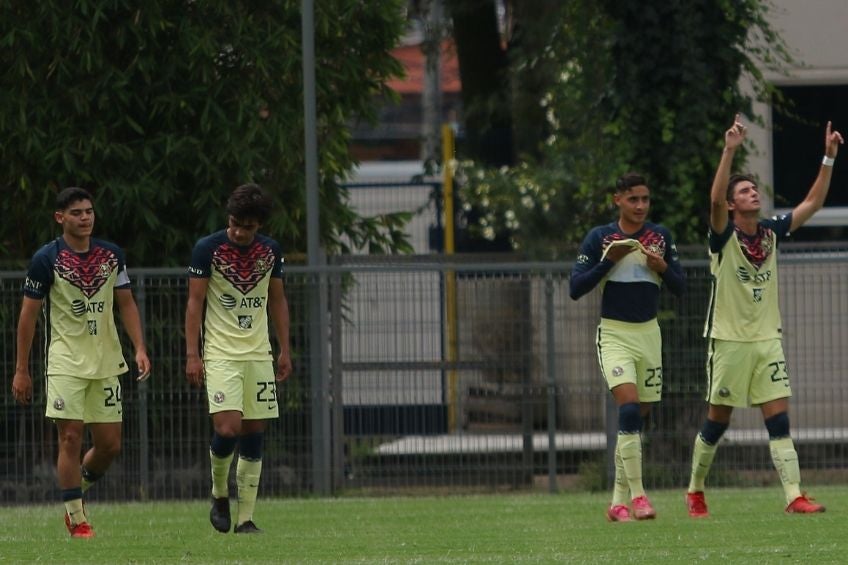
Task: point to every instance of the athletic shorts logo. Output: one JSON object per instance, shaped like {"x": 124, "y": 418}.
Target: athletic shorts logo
{"x": 59, "y": 404}
{"x": 245, "y": 322}
{"x": 218, "y": 397}
{"x": 228, "y": 301}
{"x": 723, "y": 392}
{"x": 617, "y": 371}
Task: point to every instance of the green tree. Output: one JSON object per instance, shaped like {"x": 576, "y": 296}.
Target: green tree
{"x": 160, "y": 108}
{"x": 648, "y": 86}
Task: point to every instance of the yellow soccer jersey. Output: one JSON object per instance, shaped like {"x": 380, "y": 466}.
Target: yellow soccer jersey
{"x": 235, "y": 325}
{"x": 744, "y": 299}
{"x": 78, "y": 290}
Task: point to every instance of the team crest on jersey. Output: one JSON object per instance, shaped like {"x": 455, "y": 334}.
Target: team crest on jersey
{"x": 219, "y": 397}
{"x": 243, "y": 269}
{"x": 88, "y": 273}
{"x": 59, "y": 404}
{"x": 245, "y": 322}
{"x": 758, "y": 295}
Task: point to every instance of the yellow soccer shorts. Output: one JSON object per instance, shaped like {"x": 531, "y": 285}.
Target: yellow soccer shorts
{"x": 746, "y": 373}
{"x": 248, "y": 387}
{"x": 631, "y": 353}
{"x": 94, "y": 401}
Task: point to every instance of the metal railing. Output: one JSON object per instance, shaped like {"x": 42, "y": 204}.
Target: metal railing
{"x": 520, "y": 405}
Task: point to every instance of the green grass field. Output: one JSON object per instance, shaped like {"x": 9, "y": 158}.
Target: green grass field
{"x": 746, "y": 526}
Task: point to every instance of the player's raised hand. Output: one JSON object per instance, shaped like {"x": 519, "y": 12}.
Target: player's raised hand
{"x": 832, "y": 141}
{"x": 734, "y": 137}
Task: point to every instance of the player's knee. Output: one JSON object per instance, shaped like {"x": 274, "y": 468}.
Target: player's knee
{"x": 712, "y": 431}
{"x": 223, "y": 446}
{"x": 629, "y": 418}
{"x": 250, "y": 446}
{"x": 778, "y": 426}
{"x": 70, "y": 437}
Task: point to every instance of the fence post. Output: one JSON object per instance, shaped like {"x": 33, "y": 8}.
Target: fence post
{"x": 551, "y": 365}
{"x": 143, "y": 432}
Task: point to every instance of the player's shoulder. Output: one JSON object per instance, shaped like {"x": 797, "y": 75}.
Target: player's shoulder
{"x": 48, "y": 251}
{"x": 267, "y": 241}
{"x": 212, "y": 240}
{"x": 107, "y": 245}
{"x": 602, "y": 231}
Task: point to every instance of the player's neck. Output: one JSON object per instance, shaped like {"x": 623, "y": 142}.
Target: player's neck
{"x": 629, "y": 228}
{"x": 77, "y": 244}
{"x": 747, "y": 223}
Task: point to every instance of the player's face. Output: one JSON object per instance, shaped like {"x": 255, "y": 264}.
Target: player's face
{"x": 77, "y": 220}
{"x": 746, "y": 197}
{"x": 241, "y": 231}
{"x": 634, "y": 204}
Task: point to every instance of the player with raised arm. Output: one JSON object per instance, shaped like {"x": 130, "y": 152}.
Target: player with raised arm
{"x": 631, "y": 259}
{"x": 746, "y": 365}
{"x": 76, "y": 279}
{"x": 238, "y": 274}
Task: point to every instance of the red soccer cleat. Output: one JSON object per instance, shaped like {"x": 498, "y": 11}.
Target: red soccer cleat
{"x": 804, "y": 505}
{"x": 642, "y": 508}
{"x": 618, "y": 513}
{"x": 82, "y": 531}
{"x": 696, "y": 505}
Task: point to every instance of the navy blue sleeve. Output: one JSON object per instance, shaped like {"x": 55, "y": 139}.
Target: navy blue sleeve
{"x": 201, "y": 259}
{"x": 589, "y": 269}
{"x": 39, "y": 276}
{"x": 718, "y": 240}
{"x": 279, "y": 260}
{"x": 674, "y": 277}
{"x": 780, "y": 225}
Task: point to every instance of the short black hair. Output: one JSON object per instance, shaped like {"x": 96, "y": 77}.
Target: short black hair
{"x": 249, "y": 201}
{"x": 68, "y": 196}
{"x": 736, "y": 179}
{"x": 628, "y": 181}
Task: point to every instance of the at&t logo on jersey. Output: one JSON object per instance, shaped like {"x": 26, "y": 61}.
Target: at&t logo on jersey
{"x": 744, "y": 276}
{"x": 228, "y": 301}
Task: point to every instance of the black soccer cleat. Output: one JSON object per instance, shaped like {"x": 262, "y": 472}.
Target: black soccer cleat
{"x": 247, "y": 528}
{"x": 219, "y": 515}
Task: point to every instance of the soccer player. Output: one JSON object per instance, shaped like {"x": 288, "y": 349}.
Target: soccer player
{"x": 77, "y": 279}
{"x": 237, "y": 272}
{"x": 631, "y": 259}
{"x": 745, "y": 363}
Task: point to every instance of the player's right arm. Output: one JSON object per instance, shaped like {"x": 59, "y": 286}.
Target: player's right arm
{"x": 22, "y": 381}
{"x": 733, "y": 138}
{"x": 197, "y": 288}
{"x": 590, "y": 269}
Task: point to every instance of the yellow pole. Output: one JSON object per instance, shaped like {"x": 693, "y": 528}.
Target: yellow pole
{"x": 450, "y": 276}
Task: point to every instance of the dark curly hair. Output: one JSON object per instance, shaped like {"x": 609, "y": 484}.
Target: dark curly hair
{"x": 68, "y": 196}
{"x": 628, "y": 181}
{"x": 249, "y": 201}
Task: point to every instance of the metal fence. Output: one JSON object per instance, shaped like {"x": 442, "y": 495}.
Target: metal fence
{"x": 450, "y": 375}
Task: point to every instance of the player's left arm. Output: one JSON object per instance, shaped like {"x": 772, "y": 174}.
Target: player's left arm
{"x": 131, "y": 320}
{"x": 818, "y": 192}
{"x": 278, "y": 310}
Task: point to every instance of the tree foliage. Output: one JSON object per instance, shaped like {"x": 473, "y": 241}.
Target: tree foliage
{"x": 648, "y": 86}
{"x": 161, "y": 108}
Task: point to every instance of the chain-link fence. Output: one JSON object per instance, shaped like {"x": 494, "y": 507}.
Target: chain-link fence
{"x": 450, "y": 374}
